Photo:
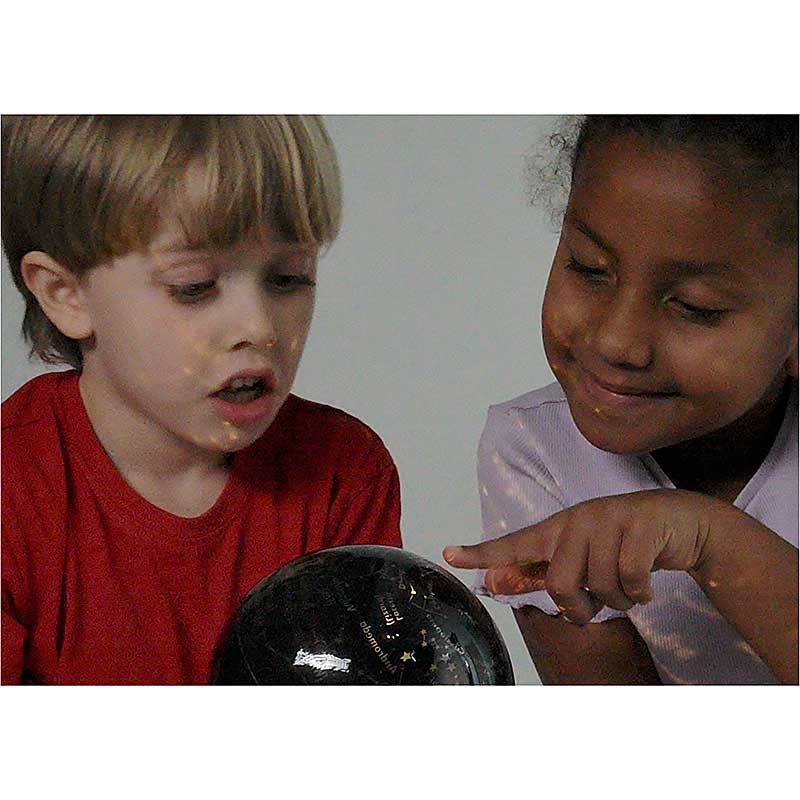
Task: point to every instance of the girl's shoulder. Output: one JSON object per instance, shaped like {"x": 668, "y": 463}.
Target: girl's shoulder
{"x": 550, "y": 395}
{"x": 534, "y": 435}
{"x": 539, "y": 420}
{"x": 771, "y": 495}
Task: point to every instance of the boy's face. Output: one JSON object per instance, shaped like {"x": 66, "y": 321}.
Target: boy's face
{"x": 198, "y": 348}
{"x": 668, "y": 313}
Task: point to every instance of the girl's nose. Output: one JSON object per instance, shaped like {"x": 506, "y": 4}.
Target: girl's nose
{"x": 623, "y": 335}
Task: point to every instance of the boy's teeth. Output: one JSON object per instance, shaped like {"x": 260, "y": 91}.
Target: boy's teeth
{"x": 242, "y": 390}
{"x": 241, "y": 383}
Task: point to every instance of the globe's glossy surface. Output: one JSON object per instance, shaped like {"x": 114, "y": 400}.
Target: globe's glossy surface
{"x": 363, "y": 614}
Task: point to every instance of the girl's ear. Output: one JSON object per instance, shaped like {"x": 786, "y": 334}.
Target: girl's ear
{"x": 59, "y": 293}
{"x": 792, "y": 362}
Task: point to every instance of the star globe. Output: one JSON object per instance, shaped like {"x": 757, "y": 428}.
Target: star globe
{"x": 362, "y": 614}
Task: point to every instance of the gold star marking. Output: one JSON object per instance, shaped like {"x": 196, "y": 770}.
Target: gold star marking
{"x": 408, "y": 657}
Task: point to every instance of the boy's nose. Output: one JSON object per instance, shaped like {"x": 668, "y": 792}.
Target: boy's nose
{"x": 252, "y": 325}
{"x": 623, "y": 335}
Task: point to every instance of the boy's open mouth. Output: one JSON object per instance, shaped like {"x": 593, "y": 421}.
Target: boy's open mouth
{"x": 242, "y": 390}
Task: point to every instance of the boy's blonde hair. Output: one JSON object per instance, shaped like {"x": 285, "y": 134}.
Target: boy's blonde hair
{"x": 85, "y": 189}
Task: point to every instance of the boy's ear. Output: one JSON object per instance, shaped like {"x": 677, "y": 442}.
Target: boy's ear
{"x": 59, "y": 293}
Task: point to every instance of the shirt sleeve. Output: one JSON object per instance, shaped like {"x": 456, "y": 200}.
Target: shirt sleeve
{"x": 516, "y": 490}
{"x": 14, "y": 632}
{"x": 13, "y": 643}
{"x": 370, "y": 512}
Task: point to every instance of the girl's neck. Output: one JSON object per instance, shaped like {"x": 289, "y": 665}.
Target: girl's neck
{"x": 723, "y": 462}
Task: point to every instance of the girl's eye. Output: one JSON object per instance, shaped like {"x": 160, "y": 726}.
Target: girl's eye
{"x": 192, "y": 292}
{"x": 698, "y": 314}
{"x": 286, "y": 283}
{"x": 592, "y": 274}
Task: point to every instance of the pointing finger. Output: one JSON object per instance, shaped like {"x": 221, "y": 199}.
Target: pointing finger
{"x": 529, "y": 545}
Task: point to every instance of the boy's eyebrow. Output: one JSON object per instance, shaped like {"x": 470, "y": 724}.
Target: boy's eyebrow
{"x": 179, "y": 248}
{"x": 176, "y": 257}
{"x": 169, "y": 259}
{"x": 182, "y": 247}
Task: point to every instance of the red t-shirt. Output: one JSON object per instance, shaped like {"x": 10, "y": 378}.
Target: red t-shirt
{"x": 101, "y": 587}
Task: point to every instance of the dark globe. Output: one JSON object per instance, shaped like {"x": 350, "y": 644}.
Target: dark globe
{"x": 363, "y": 614}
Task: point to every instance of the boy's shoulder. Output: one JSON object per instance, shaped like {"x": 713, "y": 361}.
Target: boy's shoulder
{"x": 319, "y": 432}
{"x": 34, "y": 404}
{"x": 316, "y": 418}
{"x": 33, "y": 451}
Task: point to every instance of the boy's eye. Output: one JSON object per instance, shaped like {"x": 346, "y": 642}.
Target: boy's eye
{"x": 190, "y": 292}
{"x": 698, "y": 314}
{"x": 283, "y": 283}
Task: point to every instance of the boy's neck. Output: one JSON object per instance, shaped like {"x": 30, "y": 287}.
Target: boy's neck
{"x": 723, "y": 462}
{"x": 181, "y": 479}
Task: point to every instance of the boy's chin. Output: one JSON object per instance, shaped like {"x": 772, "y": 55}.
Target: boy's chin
{"x": 232, "y": 440}
{"x": 236, "y": 441}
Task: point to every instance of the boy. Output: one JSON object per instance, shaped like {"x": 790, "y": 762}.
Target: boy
{"x": 171, "y": 262}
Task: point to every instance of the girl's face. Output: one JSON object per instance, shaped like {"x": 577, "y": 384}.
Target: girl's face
{"x": 669, "y": 312}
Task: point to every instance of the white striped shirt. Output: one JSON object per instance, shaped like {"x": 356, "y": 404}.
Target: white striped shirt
{"x": 533, "y": 462}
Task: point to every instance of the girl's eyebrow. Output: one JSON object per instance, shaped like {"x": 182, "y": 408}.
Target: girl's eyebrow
{"x": 580, "y": 225}
{"x": 705, "y": 268}
{"x": 692, "y": 267}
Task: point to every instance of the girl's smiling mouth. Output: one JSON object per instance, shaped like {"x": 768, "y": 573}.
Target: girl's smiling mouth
{"x": 616, "y": 394}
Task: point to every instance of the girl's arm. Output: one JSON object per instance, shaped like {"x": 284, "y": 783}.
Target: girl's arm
{"x": 750, "y": 574}
{"x": 603, "y": 551}
{"x": 610, "y": 652}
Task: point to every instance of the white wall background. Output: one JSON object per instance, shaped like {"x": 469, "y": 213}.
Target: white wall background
{"x": 427, "y": 308}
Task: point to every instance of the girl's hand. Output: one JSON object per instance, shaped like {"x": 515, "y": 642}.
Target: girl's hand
{"x": 600, "y": 552}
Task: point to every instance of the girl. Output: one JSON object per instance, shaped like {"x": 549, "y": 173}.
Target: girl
{"x": 669, "y": 444}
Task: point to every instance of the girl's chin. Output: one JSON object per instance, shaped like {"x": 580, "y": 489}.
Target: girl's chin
{"x": 618, "y": 442}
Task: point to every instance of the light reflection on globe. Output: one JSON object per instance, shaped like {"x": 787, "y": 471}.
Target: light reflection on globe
{"x": 363, "y": 614}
